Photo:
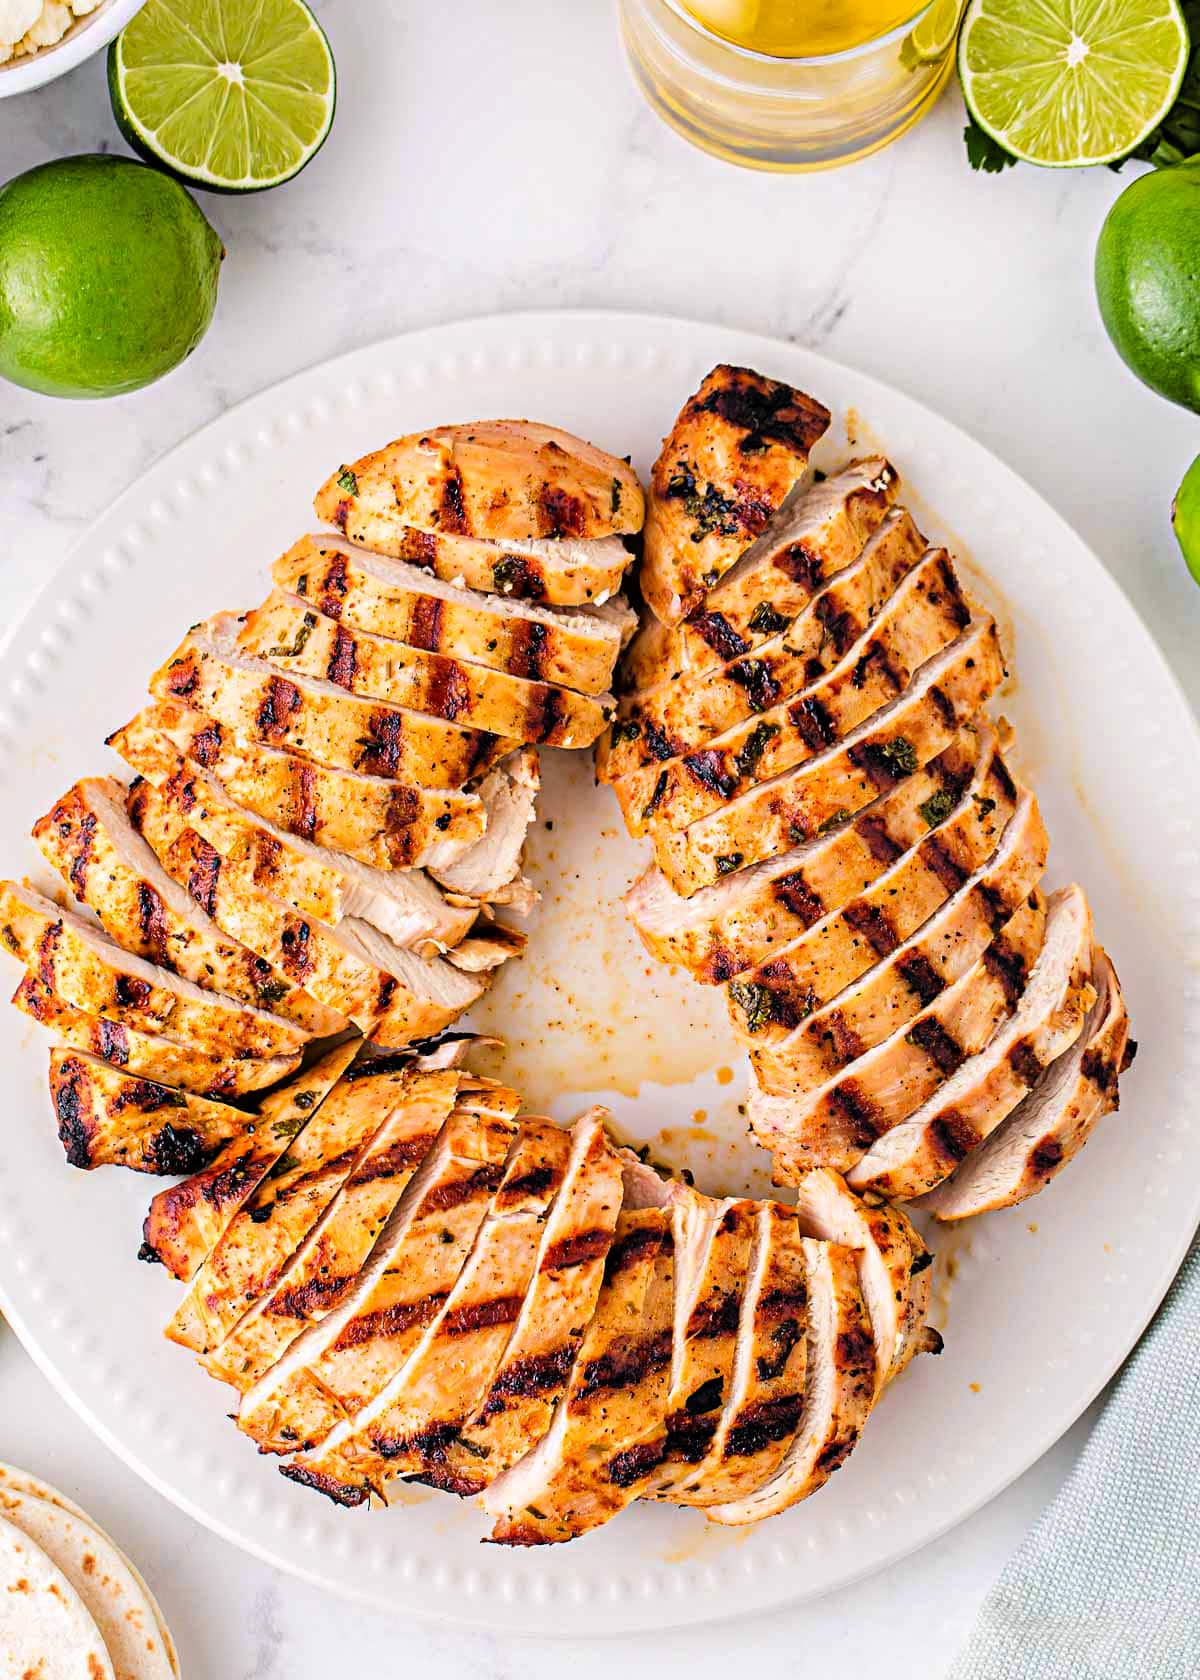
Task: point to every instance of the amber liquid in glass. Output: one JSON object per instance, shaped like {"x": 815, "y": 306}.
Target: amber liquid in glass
{"x": 800, "y": 28}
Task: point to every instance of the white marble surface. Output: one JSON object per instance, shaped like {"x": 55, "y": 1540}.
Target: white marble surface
{"x": 489, "y": 158}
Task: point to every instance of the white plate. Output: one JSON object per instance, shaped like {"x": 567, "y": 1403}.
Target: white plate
{"x": 1045, "y": 1300}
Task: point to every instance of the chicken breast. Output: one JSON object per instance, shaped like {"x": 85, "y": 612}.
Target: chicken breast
{"x": 495, "y": 479}
{"x": 109, "y": 1118}
{"x": 366, "y": 591}
{"x": 832, "y": 787}
{"x": 490, "y": 871}
{"x": 73, "y": 960}
{"x": 971, "y": 1104}
{"x": 729, "y": 927}
{"x": 839, "y": 1388}
{"x": 315, "y": 718}
{"x": 738, "y": 447}
{"x": 923, "y": 617}
{"x": 164, "y": 1060}
{"x": 186, "y": 1220}
{"x": 917, "y": 971}
{"x": 88, "y": 838}
{"x": 302, "y": 642}
{"x": 1052, "y": 1123}
{"x": 374, "y": 819}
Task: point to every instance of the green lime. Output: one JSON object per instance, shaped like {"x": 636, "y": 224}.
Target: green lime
{"x": 1185, "y": 517}
{"x": 1065, "y": 83}
{"x": 1147, "y": 262}
{"x": 108, "y": 276}
{"x": 933, "y": 34}
{"x": 231, "y": 95}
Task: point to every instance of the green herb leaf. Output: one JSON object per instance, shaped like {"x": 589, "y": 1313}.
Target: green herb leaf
{"x": 765, "y": 620}
{"x": 984, "y": 153}
{"x": 727, "y": 864}
{"x": 754, "y": 1001}
{"x": 937, "y": 807}
{"x": 347, "y": 481}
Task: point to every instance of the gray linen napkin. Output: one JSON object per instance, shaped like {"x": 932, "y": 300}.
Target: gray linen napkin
{"x": 1107, "y": 1585}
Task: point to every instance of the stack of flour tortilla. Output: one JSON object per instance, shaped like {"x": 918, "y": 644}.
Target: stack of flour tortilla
{"x": 72, "y": 1603}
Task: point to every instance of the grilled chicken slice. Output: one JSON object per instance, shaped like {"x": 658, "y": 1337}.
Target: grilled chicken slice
{"x": 286, "y": 631}
{"x": 766, "y": 1003}
{"x": 832, "y": 1125}
{"x": 312, "y": 1147}
{"x": 502, "y": 480}
{"x": 838, "y": 1391}
{"x": 404, "y": 1429}
{"x": 536, "y": 1362}
{"x": 923, "y": 617}
{"x": 371, "y": 818}
{"x": 766, "y": 1387}
{"x": 889, "y": 1254}
{"x": 392, "y": 995}
{"x": 366, "y": 591}
{"x": 149, "y": 1056}
{"x": 109, "y": 1118}
{"x": 403, "y": 904}
{"x": 686, "y": 710}
{"x": 490, "y": 871}
{"x": 315, "y": 718}
{"x": 334, "y": 1214}
{"x": 75, "y": 962}
{"x": 608, "y": 1432}
{"x": 916, "y": 971}
{"x": 88, "y": 838}
{"x": 332, "y": 1369}
{"x": 733, "y": 925}
{"x": 831, "y": 788}
{"x": 1052, "y": 1123}
{"x": 739, "y": 446}
{"x": 186, "y": 1220}
{"x": 915, "y": 1156}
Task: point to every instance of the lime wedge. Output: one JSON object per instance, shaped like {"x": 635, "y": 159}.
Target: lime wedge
{"x": 933, "y": 34}
{"x": 1065, "y": 83}
{"x": 233, "y": 95}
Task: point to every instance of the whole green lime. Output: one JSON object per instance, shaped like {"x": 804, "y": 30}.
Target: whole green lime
{"x": 1148, "y": 280}
{"x": 1185, "y": 517}
{"x": 108, "y": 276}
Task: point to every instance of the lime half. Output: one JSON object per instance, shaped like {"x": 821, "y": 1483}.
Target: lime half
{"x": 1064, "y": 83}
{"x": 233, "y": 95}
{"x": 933, "y": 35}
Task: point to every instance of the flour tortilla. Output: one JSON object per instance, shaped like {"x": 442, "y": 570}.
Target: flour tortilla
{"x": 45, "y": 1632}
{"x": 102, "y": 1579}
{"x": 17, "y": 1481}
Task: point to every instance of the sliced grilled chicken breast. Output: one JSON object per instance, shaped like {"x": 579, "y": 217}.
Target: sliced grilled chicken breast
{"x": 833, "y": 1124}
{"x": 682, "y": 714}
{"x": 766, "y": 1387}
{"x": 496, "y": 479}
{"x": 538, "y": 1358}
{"x": 607, "y": 1433}
{"x": 916, "y": 971}
{"x": 109, "y": 1118}
{"x": 372, "y": 818}
{"x": 736, "y": 923}
{"x": 987, "y": 1087}
{"x": 88, "y": 838}
{"x": 738, "y": 447}
{"x": 831, "y": 788}
{"x": 316, "y": 718}
{"x": 403, "y": 1430}
{"x": 1052, "y": 1123}
{"x": 315, "y": 1143}
{"x": 404, "y": 904}
{"x": 838, "y": 1392}
{"x": 302, "y": 642}
{"x": 886, "y": 1249}
{"x": 366, "y": 591}
{"x": 490, "y": 871}
{"x": 186, "y": 1220}
{"x": 167, "y": 1061}
{"x": 333, "y": 1368}
{"x": 392, "y": 995}
{"x": 73, "y": 960}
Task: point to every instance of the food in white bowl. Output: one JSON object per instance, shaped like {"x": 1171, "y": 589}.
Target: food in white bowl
{"x": 26, "y": 26}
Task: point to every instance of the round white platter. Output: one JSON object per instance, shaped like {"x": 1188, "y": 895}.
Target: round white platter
{"x": 1039, "y": 1305}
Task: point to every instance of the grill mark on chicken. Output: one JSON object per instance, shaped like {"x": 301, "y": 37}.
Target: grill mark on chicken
{"x": 403, "y": 809}
{"x": 546, "y": 714}
{"x": 715, "y": 629}
{"x": 137, "y": 991}
{"x": 82, "y": 838}
{"x": 453, "y": 1193}
{"x": 528, "y": 1378}
{"x": 715, "y": 1318}
{"x": 635, "y": 1463}
{"x": 710, "y": 770}
{"x": 949, "y": 872}
{"x": 873, "y": 830}
{"x": 527, "y": 648}
{"x": 343, "y": 661}
{"x": 278, "y": 706}
{"x": 1045, "y": 1158}
{"x": 658, "y": 743}
{"x": 800, "y": 565}
{"x": 481, "y": 1315}
{"x": 452, "y": 514}
{"x": 328, "y": 1485}
{"x": 334, "y": 586}
{"x": 295, "y": 949}
{"x": 1003, "y": 780}
{"x": 73, "y": 1108}
{"x": 630, "y": 1248}
{"x": 813, "y": 724}
{"x": 844, "y": 1043}
{"x": 389, "y": 1321}
{"x": 794, "y": 893}
{"x": 535, "y": 1183}
{"x": 754, "y": 677}
{"x": 418, "y": 546}
{"x": 563, "y": 515}
{"x": 952, "y": 594}
{"x": 940, "y": 1046}
{"x": 761, "y": 1425}
{"x": 1024, "y": 1061}
{"x": 944, "y": 706}
{"x": 920, "y": 976}
{"x": 183, "y": 676}
{"x": 863, "y": 1119}
{"x": 952, "y": 1136}
{"x": 1007, "y": 968}
{"x": 690, "y": 1436}
{"x": 449, "y": 690}
{"x": 768, "y": 411}
{"x": 319, "y": 1294}
{"x": 130, "y": 991}
{"x": 1101, "y": 1071}
{"x": 176, "y": 1150}
{"x": 871, "y": 922}
{"x": 574, "y": 1251}
{"x": 152, "y": 923}
{"x": 205, "y": 745}
{"x": 625, "y": 1364}
{"x": 425, "y": 623}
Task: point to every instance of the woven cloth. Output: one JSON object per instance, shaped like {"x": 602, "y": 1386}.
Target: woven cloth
{"x": 1107, "y": 1585}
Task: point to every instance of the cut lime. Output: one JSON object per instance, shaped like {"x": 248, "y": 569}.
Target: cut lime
{"x": 233, "y": 95}
{"x": 1065, "y": 83}
{"x": 933, "y": 35}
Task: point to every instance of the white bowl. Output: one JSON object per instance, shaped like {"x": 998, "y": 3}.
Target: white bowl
{"x": 87, "y": 35}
